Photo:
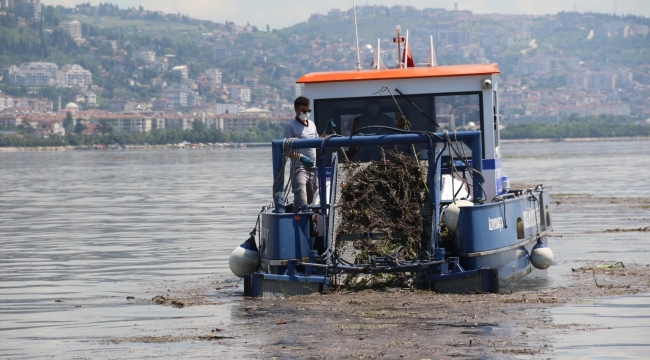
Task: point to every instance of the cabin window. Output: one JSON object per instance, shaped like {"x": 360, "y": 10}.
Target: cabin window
{"x": 371, "y": 115}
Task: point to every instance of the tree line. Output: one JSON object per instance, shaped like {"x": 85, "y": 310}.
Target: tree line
{"x": 106, "y": 135}
{"x": 579, "y": 127}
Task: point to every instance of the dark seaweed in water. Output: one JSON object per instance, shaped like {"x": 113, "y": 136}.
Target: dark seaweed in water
{"x": 385, "y": 197}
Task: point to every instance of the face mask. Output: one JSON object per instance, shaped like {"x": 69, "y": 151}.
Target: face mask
{"x": 304, "y": 116}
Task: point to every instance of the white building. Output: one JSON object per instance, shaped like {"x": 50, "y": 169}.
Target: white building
{"x": 147, "y": 56}
{"x": 74, "y": 76}
{"x": 181, "y": 70}
{"x": 48, "y": 67}
{"x": 30, "y": 78}
{"x": 240, "y": 93}
{"x": 213, "y": 75}
{"x": 6, "y": 101}
{"x": 72, "y": 27}
{"x": 126, "y": 122}
{"x": 222, "y": 109}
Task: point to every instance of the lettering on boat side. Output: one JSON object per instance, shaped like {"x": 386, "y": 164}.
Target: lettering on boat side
{"x": 495, "y": 224}
{"x": 530, "y": 218}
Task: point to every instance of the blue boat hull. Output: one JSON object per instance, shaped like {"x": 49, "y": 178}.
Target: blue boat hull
{"x": 501, "y": 235}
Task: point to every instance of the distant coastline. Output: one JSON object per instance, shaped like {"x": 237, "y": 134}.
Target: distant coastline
{"x": 131, "y": 147}
{"x": 268, "y": 144}
{"x": 587, "y": 139}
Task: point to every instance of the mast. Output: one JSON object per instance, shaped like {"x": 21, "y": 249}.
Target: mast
{"x": 356, "y": 30}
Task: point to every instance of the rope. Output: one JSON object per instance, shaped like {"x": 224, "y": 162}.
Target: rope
{"x": 505, "y": 218}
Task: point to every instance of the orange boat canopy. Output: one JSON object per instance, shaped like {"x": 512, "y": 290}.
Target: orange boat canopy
{"x": 406, "y": 73}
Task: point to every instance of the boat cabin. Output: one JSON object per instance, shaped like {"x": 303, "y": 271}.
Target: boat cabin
{"x": 432, "y": 98}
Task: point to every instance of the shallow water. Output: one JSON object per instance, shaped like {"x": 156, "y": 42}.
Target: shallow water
{"x": 91, "y": 228}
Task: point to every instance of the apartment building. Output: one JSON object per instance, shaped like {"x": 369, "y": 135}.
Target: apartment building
{"x": 72, "y": 27}
{"x": 74, "y": 76}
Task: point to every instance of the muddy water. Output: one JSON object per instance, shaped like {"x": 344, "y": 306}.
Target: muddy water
{"x": 616, "y": 174}
{"x": 81, "y": 231}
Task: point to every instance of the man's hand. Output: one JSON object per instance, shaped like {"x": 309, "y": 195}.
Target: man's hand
{"x": 329, "y": 128}
{"x": 307, "y": 161}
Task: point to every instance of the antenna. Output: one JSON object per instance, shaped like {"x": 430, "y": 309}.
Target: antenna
{"x": 398, "y": 40}
{"x": 356, "y": 30}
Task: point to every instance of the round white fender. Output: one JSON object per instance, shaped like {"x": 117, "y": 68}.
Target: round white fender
{"x": 541, "y": 257}
{"x": 245, "y": 259}
{"x": 450, "y": 216}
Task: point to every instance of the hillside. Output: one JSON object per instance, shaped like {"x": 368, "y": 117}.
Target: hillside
{"x": 601, "y": 56}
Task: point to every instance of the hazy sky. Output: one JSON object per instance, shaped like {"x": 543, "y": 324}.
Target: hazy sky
{"x": 282, "y": 13}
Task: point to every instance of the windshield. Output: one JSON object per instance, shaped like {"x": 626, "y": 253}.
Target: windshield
{"x": 374, "y": 115}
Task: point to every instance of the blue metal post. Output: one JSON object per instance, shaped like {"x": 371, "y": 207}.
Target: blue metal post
{"x": 477, "y": 163}
{"x": 276, "y": 147}
{"x": 434, "y": 181}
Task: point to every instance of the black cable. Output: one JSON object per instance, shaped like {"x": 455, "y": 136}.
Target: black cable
{"x": 415, "y": 106}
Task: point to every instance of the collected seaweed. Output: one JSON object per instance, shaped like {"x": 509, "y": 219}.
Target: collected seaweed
{"x": 381, "y": 208}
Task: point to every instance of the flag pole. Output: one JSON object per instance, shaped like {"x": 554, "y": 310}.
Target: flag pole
{"x": 356, "y": 30}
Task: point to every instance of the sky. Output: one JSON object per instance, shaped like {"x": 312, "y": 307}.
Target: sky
{"x": 282, "y": 13}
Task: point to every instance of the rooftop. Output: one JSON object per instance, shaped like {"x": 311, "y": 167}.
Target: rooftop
{"x": 406, "y": 73}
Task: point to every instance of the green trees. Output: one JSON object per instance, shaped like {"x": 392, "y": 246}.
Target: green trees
{"x": 79, "y": 127}
{"x": 105, "y": 134}
{"x": 577, "y": 127}
{"x": 68, "y": 123}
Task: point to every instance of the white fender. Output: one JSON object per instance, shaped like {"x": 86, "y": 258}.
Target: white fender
{"x": 450, "y": 216}
{"x": 245, "y": 259}
{"x": 541, "y": 257}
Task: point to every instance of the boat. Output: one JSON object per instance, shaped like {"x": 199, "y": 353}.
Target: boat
{"x": 495, "y": 235}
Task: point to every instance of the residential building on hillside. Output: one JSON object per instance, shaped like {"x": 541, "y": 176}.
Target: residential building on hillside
{"x": 74, "y": 76}
{"x": 240, "y": 93}
{"x": 181, "y": 70}
{"x": 50, "y": 68}
{"x": 29, "y": 78}
{"x": 251, "y": 81}
{"x": 126, "y": 122}
{"x": 147, "y": 56}
{"x": 179, "y": 123}
{"x": 122, "y": 105}
{"x": 163, "y": 104}
{"x": 10, "y": 120}
{"x": 335, "y": 14}
{"x": 86, "y": 96}
{"x": 72, "y": 27}
{"x": 177, "y": 94}
{"x": 213, "y": 75}
{"x": 159, "y": 65}
{"x": 29, "y": 9}
{"x": 6, "y": 101}
{"x": 231, "y": 109}
{"x": 220, "y": 53}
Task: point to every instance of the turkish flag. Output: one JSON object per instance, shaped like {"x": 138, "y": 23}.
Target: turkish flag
{"x": 407, "y": 57}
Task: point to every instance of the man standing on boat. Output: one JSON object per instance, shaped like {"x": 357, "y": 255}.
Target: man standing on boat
{"x": 305, "y": 178}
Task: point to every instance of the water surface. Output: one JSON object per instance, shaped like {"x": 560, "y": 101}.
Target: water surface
{"x": 91, "y": 228}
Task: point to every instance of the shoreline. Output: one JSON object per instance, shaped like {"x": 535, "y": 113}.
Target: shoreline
{"x": 131, "y": 147}
{"x": 588, "y": 139}
{"x": 268, "y": 144}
